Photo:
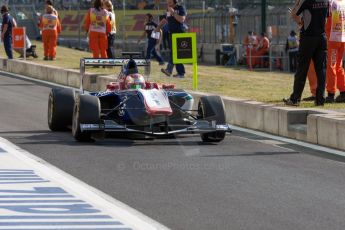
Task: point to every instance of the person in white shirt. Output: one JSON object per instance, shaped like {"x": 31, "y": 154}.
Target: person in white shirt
{"x": 292, "y": 44}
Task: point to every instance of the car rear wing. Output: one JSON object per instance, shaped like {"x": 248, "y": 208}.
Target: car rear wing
{"x": 103, "y": 62}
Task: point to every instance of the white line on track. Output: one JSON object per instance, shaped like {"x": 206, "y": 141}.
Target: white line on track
{"x": 36, "y": 80}
{"x": 291, "y": 141}
{"x": 109, "y": 205}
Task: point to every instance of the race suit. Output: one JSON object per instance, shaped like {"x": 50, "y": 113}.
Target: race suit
{"x": 261, "y": 51}
{"x": 335, "y": 29}
{"x": 51, "y": 27}
{"x": 98, "y": 25}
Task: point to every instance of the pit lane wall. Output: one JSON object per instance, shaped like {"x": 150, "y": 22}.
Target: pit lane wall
{"x": 317, "y": 126}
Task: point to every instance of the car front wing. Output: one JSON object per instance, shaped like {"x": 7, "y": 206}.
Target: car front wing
{"x": 200, "y": 126}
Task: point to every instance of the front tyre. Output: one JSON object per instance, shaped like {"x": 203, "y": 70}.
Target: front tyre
{"x": 60, "y": 109}
{"x": 211, "y": 108}
{"x": 86, "y": 110}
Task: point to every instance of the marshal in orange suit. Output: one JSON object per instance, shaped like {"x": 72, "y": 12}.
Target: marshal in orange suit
{"x": 335, "y": 30}
{"x": 98, "y": 25}
{"x": 261, "y": 51}
{"x": 51, "y": 27}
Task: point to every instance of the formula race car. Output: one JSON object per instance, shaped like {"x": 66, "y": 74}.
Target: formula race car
{"x": 132, "y": 105}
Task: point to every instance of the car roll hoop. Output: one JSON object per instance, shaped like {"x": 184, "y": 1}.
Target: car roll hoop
{"x": 104, "y": 62}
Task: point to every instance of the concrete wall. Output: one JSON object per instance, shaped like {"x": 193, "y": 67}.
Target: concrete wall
{"x": 317, "y": 126}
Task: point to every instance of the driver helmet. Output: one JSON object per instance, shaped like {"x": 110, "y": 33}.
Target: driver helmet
{"x": 135, "y": 81}
{"x": 131, "y": 67}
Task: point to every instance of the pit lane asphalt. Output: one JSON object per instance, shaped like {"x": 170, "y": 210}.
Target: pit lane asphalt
{"x": 245, "y": 182}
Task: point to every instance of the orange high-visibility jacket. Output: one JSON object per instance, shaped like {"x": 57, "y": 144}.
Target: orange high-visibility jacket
{"x": 50, "y": 23}
{"x": 97, "y": 21}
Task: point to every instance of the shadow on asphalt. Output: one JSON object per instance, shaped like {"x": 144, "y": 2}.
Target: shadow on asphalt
{"x": 47, "y": 137}
{"x": 255, "y": 154}
{"x": 24, "y": 132}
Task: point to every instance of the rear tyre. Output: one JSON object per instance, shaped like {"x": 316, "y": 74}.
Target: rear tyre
{"x": 211, "y": 108}
{"x": 60, "y": 109}
{"x": 87, "y": 110}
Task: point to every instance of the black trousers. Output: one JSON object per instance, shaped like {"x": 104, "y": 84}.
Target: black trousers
{"x": 293, "y": 60}
{"x": 111, "y": 48}
{"x": 165, "y": 40}
{"x": 311, "y": 48}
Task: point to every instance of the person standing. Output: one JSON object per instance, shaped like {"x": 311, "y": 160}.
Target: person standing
{"x": 261, "y": 51}
{"x": 6, "y": 30}
{"x": 150, "y": 28}
{"x": 250, "y": 43}
{"x": 97, "y": 24}
{"x": 335, "y": 29}
{"x": 291, "y": 48}
{"x": 165, "y": 35}
{"x": 50, "y": 3}
{"x": 175, "y": 18}
{"x": 51, "y": 27}
{"x": 313, "y": 46}
{"x": 55, "y": 12}
{"x": 111, "y": 36}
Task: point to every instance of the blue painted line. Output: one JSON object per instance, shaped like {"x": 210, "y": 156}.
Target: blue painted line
{"x": 48, "y": 208}
{"x": 15, "y": 176}
{"x": 61, "y": 228}
{"x": 26, "y": 182}
{"x": 16, "y": 170}
{"x": 39, "y": 201}
{"x": 60, "y": 223}
{"x": 21, "y": 179}
{"x": 37, "y": 190}
{"x": 55, "y": 217}
{"x": 57, "y": 209}
{"x": 35, "y": 196}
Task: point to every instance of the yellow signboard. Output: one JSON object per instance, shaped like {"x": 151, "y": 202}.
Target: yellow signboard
{"x": 184, "y": 51}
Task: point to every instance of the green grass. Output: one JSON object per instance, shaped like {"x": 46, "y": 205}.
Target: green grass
{"x": 269, "y": 87}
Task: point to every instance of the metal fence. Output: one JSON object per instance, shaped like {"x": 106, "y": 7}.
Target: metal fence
{"x": 215, "y": 26}
{"x": 210, "y": 27}
{"x": 275, "y": 60}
